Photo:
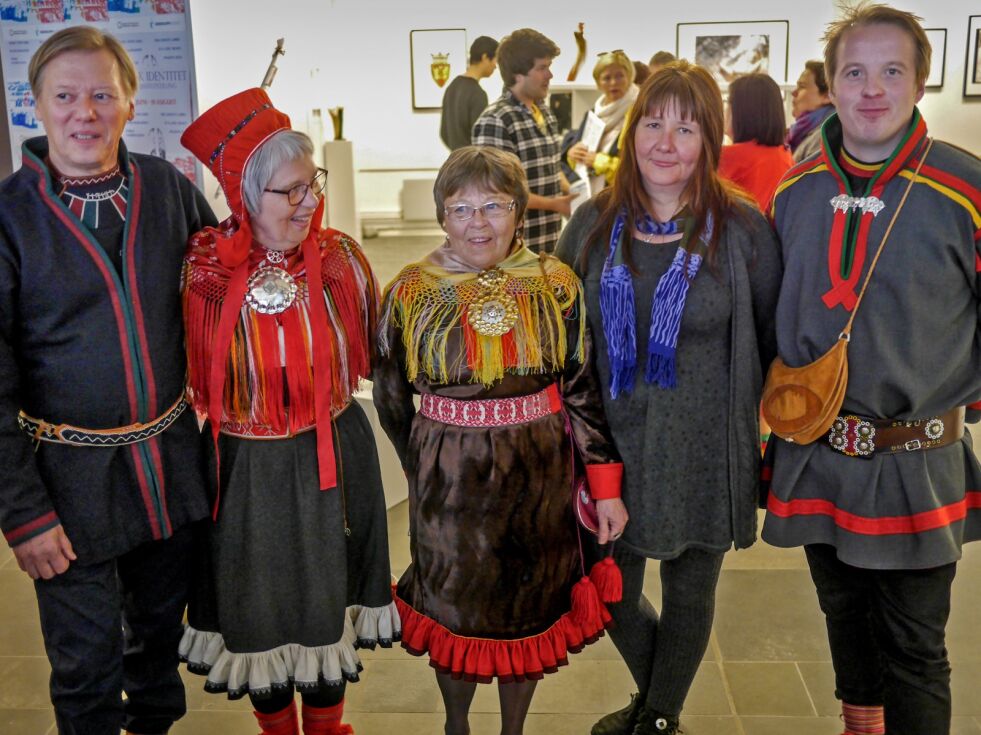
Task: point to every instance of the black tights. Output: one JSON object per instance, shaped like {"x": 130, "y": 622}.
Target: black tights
{"x": 322, "y": 697}
{"x": 458, "y": 694}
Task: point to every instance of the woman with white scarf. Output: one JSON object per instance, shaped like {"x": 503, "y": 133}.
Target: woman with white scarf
{"x": 614, "y": 75}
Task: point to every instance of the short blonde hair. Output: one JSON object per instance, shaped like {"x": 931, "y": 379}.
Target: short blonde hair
{"x": 868, "y": 14}
{"x": 486, "y": 167}
{"x": 82, "y": 38}
{"x": 614, "y": 58}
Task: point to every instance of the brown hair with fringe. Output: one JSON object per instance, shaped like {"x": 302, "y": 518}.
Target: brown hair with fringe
{"x": 756, "y": 110}
{"x": 484, "y": 167}
{"x": 691, "y": 91}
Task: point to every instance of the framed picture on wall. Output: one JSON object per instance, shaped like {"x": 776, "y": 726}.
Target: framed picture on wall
{"x": 728, "y": 50}
{"x": 436, "y": 56}
{"x": 972, "y": 66}
{"x": 938, "y": 59}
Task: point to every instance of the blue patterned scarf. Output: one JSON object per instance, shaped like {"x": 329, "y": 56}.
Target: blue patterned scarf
{"x": 618, "y": 310}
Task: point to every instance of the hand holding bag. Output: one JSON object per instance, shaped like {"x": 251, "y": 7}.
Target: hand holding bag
{"x": 801, "y": 403}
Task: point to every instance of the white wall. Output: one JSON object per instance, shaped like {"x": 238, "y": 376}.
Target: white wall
{"x": 355, "y": 53}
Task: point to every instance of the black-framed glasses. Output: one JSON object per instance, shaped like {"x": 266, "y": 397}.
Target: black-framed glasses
{"x": 490, "y": 210}
{"x": 296, "y": 194}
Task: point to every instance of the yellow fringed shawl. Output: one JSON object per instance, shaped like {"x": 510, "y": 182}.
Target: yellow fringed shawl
{"x": 429, "y": 305}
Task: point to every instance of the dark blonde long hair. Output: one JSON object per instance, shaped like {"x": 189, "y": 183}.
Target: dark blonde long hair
{"x": 692, "y": 91}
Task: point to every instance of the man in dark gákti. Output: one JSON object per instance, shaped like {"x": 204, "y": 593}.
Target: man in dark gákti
{"x": 883, "y": 503}
{"x": 101, "y": 471}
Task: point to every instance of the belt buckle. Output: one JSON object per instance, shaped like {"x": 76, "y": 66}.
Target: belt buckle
{"x": 852, "y": 436}
{"x": 912, "y": 445}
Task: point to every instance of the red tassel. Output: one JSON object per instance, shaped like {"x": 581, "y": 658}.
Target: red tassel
{"x": 606, "y": 577}
{"x": 586, "y": 605}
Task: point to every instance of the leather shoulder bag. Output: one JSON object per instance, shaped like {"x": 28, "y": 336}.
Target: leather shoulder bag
{"x": 801, "y": 403}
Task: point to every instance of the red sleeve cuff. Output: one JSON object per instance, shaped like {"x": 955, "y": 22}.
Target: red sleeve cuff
{"x": 605, "y": 480}
{"x": 976, "y": 405}
{"x": 34, "y": 528}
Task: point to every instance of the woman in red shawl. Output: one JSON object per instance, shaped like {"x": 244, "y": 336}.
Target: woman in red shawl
{"x": 278, "y": 314}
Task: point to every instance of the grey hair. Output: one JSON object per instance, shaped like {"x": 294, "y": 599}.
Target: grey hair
{"x": 281, "y": 148}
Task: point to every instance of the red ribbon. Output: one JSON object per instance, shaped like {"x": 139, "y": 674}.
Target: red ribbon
{"x": 234, "y": 253}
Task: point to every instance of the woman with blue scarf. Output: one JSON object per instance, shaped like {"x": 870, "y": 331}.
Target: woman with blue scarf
{"x": 681, "y": 277}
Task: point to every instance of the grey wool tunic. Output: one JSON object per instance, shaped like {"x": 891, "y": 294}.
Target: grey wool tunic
{"x": 691, "y": 454}
{"x": 915, "y": 353}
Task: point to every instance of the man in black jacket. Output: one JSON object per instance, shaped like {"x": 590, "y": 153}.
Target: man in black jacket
{"x": 101, "y": 473}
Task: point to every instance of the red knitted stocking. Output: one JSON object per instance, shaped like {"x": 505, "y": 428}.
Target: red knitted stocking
{"x": 325, "y": 720}
{"x": 283, "y": 722}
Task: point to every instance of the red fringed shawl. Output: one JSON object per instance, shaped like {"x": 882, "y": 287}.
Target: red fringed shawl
{"x": 269, "y": 377}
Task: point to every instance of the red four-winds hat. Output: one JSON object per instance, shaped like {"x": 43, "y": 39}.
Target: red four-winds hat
{"x": 226, "y": 136}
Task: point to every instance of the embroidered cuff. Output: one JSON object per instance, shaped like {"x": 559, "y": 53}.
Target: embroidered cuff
{"x": 604, "y": 480}
{"x": 27, "y": 531}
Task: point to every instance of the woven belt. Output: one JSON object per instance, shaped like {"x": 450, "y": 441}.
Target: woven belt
{"x": 41, "y": 430}
{"x": 261, "y": 431}
{"x": 861, "y": 437}
{"x": 491, "y": 411}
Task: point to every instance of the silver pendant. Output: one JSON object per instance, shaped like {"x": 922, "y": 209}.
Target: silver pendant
{"x": 270, "y": 290}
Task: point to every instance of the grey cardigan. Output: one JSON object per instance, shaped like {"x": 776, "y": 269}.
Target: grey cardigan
{"x": 749, "y": 270}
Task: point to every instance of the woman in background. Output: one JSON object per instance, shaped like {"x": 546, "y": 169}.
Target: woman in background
{"x": 757, "y": 158}
{"x": 614, "y": 75}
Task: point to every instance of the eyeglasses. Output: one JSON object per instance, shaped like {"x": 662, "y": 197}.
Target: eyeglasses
{"x": 490, "y": 210}
{"x": 296, "y": 194}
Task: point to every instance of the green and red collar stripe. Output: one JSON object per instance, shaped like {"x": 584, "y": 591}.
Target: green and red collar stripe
{"x": 848, "y": 242}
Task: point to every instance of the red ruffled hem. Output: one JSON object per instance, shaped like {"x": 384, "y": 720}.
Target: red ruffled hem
{"x": 484, "y": 659}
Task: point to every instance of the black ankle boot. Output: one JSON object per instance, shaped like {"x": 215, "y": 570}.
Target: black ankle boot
{"x": 650, "y": 722}
{"x": 621, "y": 722}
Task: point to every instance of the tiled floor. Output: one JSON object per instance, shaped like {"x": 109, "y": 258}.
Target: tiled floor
{"x": 767, "y": 670}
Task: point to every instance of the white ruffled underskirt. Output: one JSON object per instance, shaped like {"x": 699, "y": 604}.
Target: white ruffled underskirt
{"x": 305, "y": 667}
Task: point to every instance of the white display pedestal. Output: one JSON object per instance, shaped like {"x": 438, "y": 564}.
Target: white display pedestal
{"x": 393, "y": 478}
{"x": 342, "y": 209}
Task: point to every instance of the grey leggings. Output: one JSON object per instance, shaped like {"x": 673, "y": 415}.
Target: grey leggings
{"x": 663, "y": 653}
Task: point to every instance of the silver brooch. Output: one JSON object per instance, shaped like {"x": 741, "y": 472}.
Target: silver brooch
{"x": 270, "y": 290}
{"x": 843, "y": 202}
